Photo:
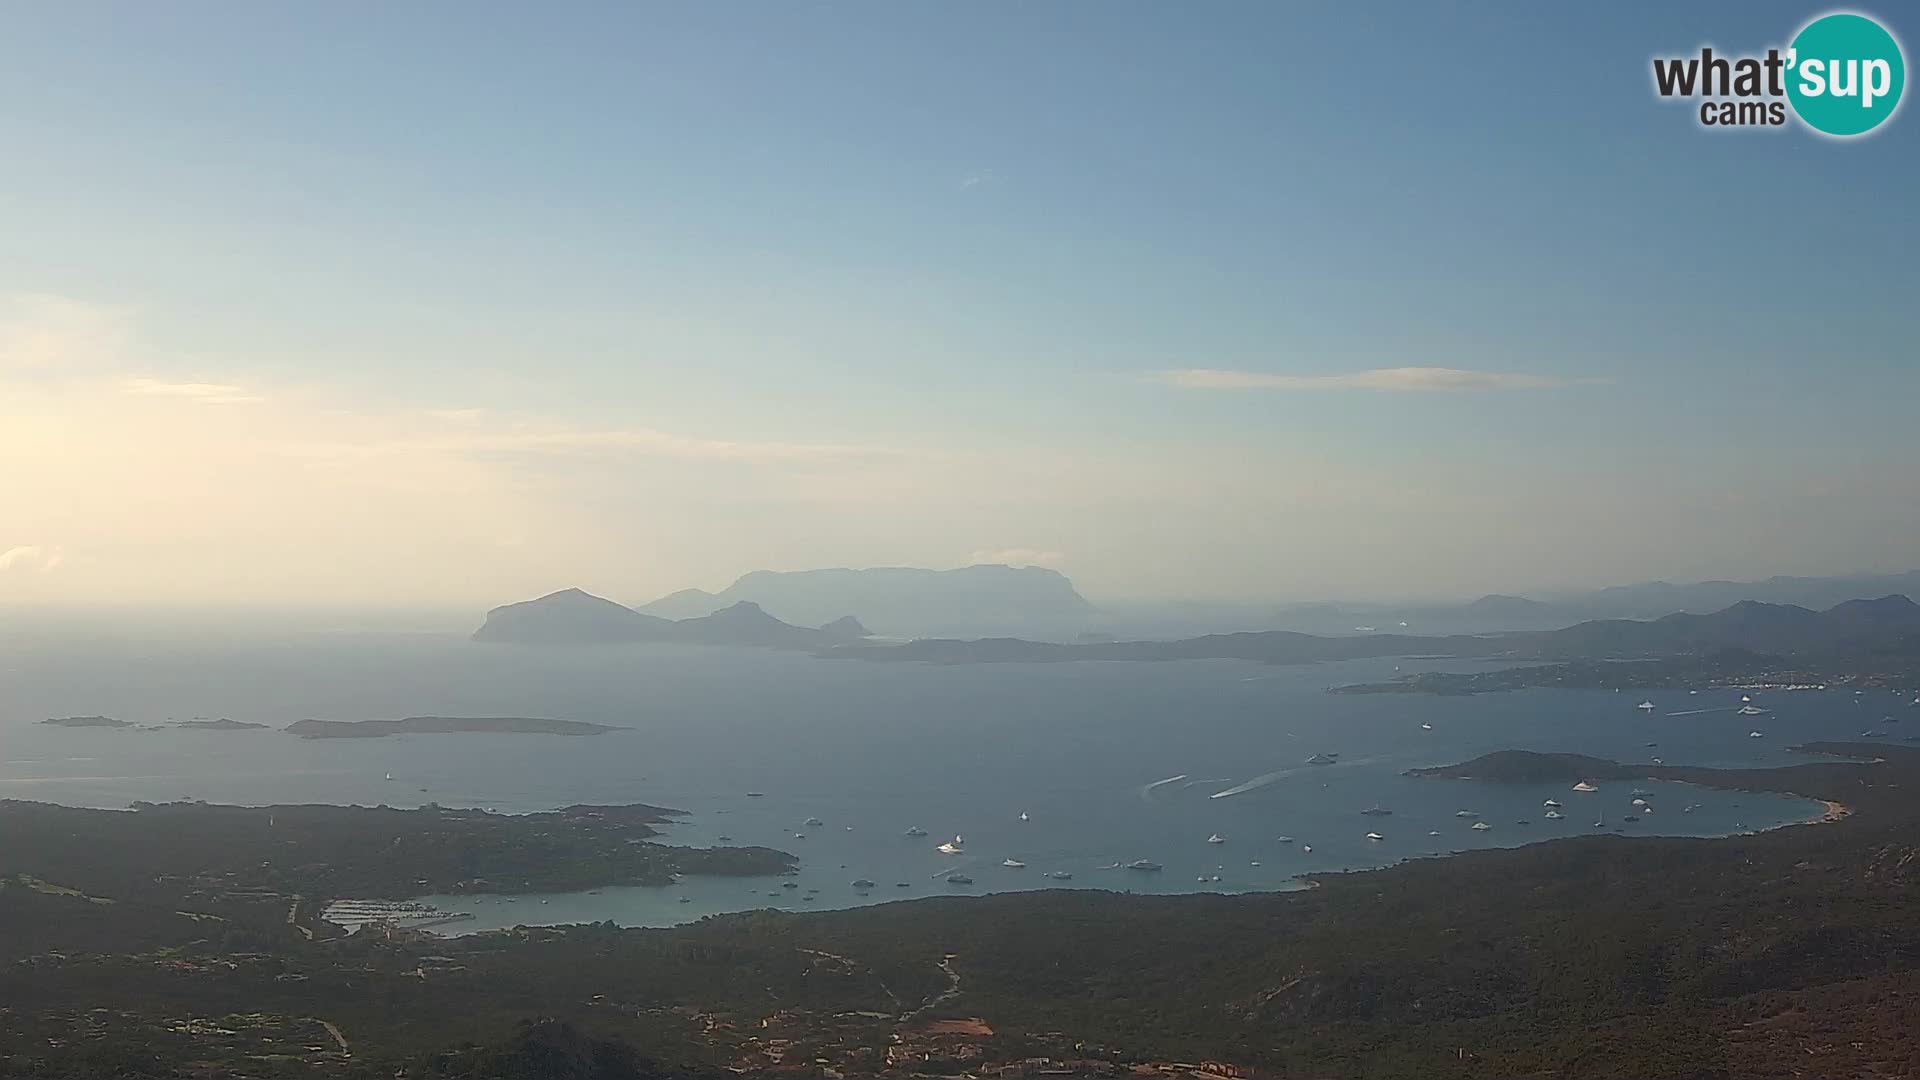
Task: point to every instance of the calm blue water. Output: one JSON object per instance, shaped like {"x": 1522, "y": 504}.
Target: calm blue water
{"x": 871, "y": 749}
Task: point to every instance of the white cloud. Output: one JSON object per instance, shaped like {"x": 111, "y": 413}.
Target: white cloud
{"x": 1398, "y": 380}
{"x": 30, "y": 557}
{"x": 204, "y": 393}
{"x": 1016, "y": 557}
{"x": 979, "y": 178}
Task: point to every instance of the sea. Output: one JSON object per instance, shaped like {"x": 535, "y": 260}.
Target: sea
{"x": 1066, "y": 768}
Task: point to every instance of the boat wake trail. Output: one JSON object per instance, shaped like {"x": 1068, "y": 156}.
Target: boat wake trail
{"x": 1146, "y": 793}
{"x": 1257, "y": 782}
{"x": 1698, "y": 712}
{"x": 1281, "y": 774}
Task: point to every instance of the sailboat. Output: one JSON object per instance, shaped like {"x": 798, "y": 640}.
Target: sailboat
{"x": 1023, "y": 815}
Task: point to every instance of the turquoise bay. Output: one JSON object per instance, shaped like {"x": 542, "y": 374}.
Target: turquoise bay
{"x": 869, "y": 751}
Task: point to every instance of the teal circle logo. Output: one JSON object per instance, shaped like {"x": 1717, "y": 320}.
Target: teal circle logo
{"x": 1845, "y": 73}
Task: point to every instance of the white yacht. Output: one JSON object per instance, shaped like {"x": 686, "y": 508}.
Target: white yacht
{"x": 951, "y": 847}
{"x": 1308, "y": 848}
{"x": 1466, "y": 813}
{"x": 1375, "y": 836}
{"x": 916, "y": 831}
{"x": 1645, "y": 706}
{"x": 1143, "y": 864}
{"x": 1584, "y": 786}
{"x": 1750, "y": 710}
{"x": 1286, "y": 839}
{"x": 1551, "y": 804}
{"x": 1755, "y": 735}
{"x": 1554, "y": 815}
{"x": 1014, "y": 864}
{"x": 1481, "y": 826}
{"x": 1216, "y": 838}
{"x": 1023, "y": 815}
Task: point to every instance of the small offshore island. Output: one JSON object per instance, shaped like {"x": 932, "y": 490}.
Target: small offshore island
{"x": 442, "y": 725}
{"x": 222, "y": 724}
{"x": 87, "y": 722}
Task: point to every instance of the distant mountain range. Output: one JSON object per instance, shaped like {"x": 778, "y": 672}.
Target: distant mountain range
{"x": 1782, "y": 629}
{"x": 1888, "y": 623}
{"x": 1647, "y": 600}
{"x": 574, "y": 617}
{"x": 1660, "y": 597}
{"x": 892, "y": 600}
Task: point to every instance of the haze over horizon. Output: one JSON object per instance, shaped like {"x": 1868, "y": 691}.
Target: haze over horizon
{"x": 659, "y": 295}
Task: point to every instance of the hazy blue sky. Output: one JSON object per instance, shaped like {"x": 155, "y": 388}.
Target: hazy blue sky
{"x": 452, "y": 303}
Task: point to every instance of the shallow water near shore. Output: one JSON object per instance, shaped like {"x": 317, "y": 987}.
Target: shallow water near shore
{"x": 869, "y": 750}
